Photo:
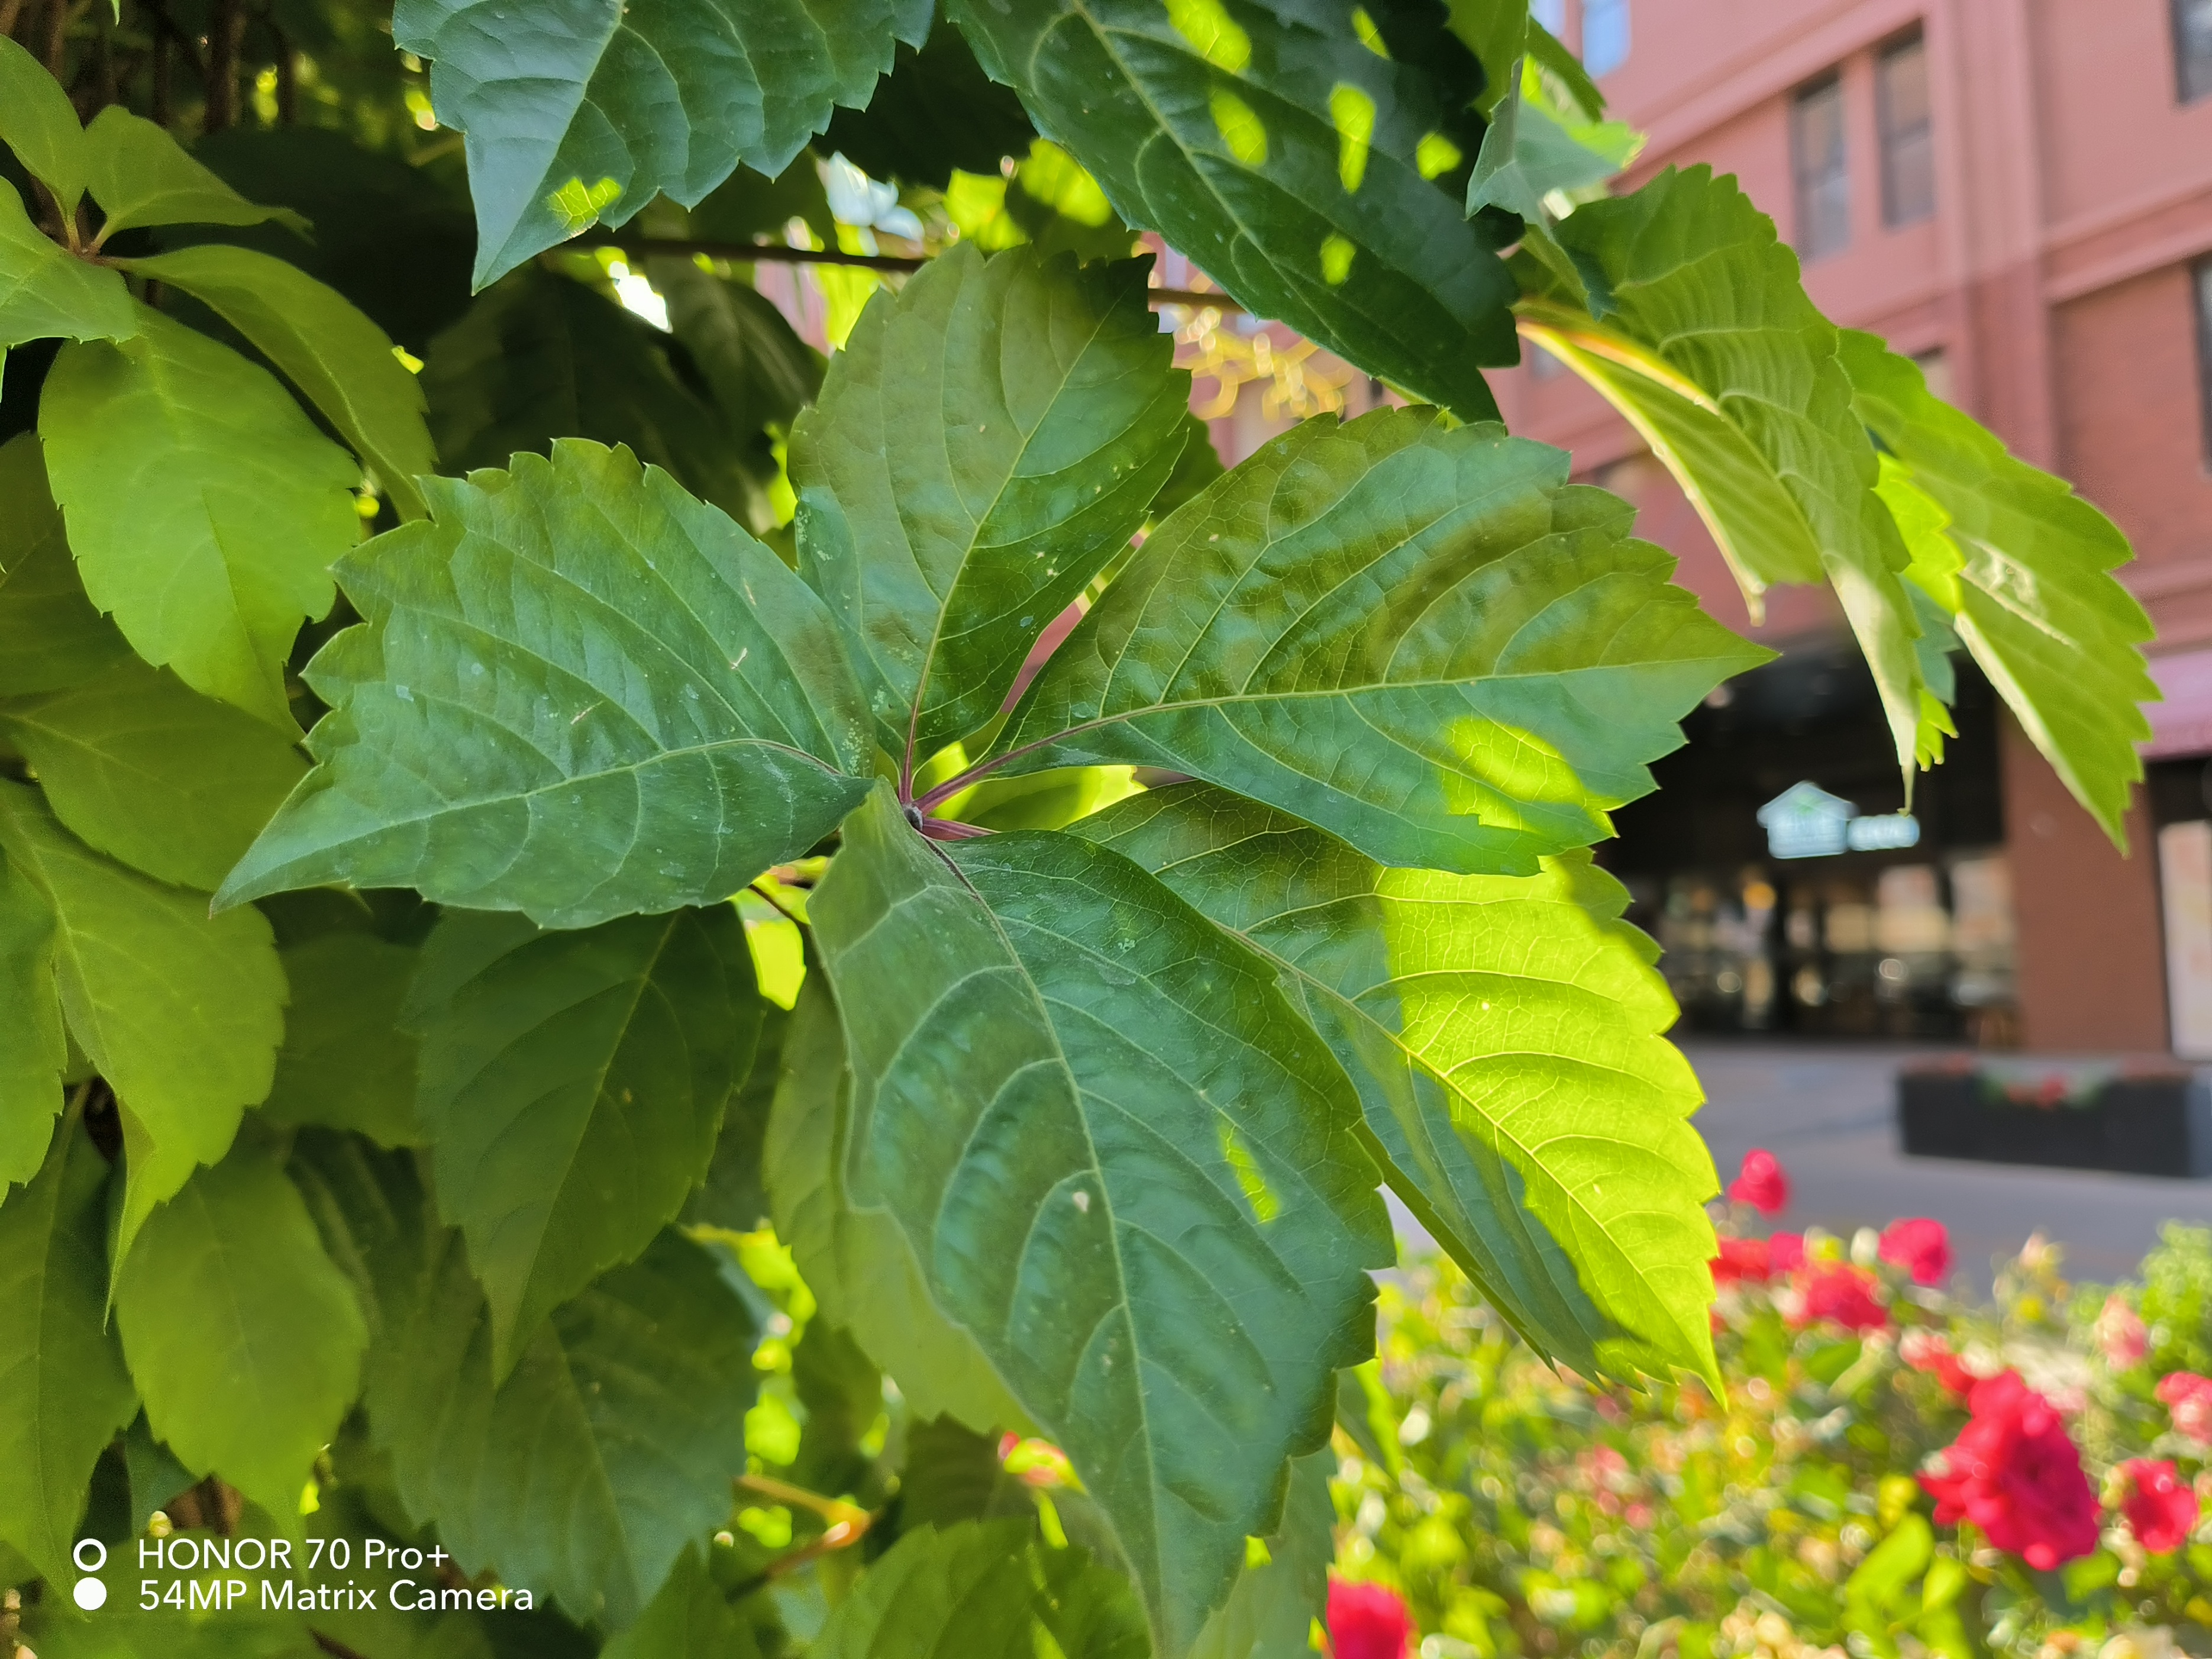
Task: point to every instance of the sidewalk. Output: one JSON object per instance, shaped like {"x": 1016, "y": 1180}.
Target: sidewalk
{"x": 1828, "y": 1113}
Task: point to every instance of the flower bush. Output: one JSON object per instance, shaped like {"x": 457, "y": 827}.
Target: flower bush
{"x": 1896, "y": 1470}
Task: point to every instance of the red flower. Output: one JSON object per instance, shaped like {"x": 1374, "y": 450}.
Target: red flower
{"x": 1844, "y": 1296}
{"x": 2160, "y": 1508}
{"x": 1762, "y": 1185}
{"x": 1366, "y": 1621}
{"x": 2014, "y": 1474}
{"x": 1919, "y": 1246}
{"x": 2187, "y": 1397}
{"x": 1741, "y": 1259}
{"x": 1785, "y": 1253}
{"x": 1929, "y": 1351}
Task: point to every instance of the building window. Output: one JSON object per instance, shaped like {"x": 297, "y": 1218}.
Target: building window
{"x": 1823, "y": 184}
{"x": 2202, "y": 274}
{"x": 1605, "y": 35}
{"x": 2192, "y": 49}
{"x": 1908, "y": 147}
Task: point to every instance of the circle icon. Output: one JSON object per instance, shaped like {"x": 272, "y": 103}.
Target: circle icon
{"x": 100, "y": 1552}
{"x": 90, "y": 1593}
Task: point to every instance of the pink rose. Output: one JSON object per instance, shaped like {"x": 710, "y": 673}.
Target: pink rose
{"x": 1785, "y": 1253}
{"x": 1843, "y": 1296}
{"x": 1366, "y": 1621}
{"x": 2188, "y": 1398}
{"x": 2015, "y": 1474}
{"x": 1761, "y": 1184}
{"x": 2161, "y": 1510}
{"x": 2121, "y": 1333}
{"x": 1740, "y": 1260}
{"x": 1920, "y": 1246}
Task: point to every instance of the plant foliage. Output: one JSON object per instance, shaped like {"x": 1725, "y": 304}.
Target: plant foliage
{"x": 801, "y": 1057}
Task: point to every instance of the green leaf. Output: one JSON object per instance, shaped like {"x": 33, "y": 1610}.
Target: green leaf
{"x": 180, "y": 1012}
{"x": 578, "y": 694}
{"x": 733, "y": 1196}
{"x": 63, "y": 1392}
{"x": 33, "y": 1048}
{"x": 1531, "y": 150}
{"x": 760, "y": 374}
{"x": 1505, "y": 1033}
{"x": 936, "y": 112}
{"x": 1317, "y": 180}
{"x": 573, "y": 1084}
{"x": 690, "y": 1618}
{"x": 140, "y": 176}
{"x": 609, "y": 1450}
{"x": 1123, "y": 1163}
{"x": 243, "y": 1338}
{"x": 1421, "y": 638}
{"x": 856, "y": 1262}
{"x": 40, "y": 124}
{"x": 541, "y": 358}
{"x": 985, "y": 442}
{"x": 343, "y": 363}
{"x": 982, "y": 1590}
{"x": 147, "y": 770}
{"x": 1693, "y": 290}
{"x": 50, "y": 635}
{"x": 345, "y": 1063}
{"x": 600, "y": 107}
{"x": 204, "y": 509}
{"x": 47, "y": 291}
{"x": 1278, "y": 1597}
{"x": 2032, "y": 599}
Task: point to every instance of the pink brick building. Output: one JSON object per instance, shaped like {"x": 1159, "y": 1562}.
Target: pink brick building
{"x": 2019, "y": 193}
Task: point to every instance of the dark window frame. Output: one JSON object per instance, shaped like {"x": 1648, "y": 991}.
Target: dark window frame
{"x": 1891, "y": 138}
{"x": 1805, "y": 184}
{"x": 2192, "y": 68}
{"x": 2200, "y": 304}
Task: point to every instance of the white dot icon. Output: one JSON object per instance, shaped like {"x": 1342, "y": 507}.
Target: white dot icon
{"x": 90, "y": 1593}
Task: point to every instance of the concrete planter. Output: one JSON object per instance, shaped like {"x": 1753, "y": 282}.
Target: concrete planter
{"x": 2147, "y": 1123}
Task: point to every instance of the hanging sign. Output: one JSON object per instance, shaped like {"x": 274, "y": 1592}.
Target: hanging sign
{"x": 1806, "y": 822}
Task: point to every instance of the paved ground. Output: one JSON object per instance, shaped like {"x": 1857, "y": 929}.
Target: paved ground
{"x": 1829, "y": 1114}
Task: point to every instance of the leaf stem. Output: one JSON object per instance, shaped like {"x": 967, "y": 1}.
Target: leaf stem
{"x": 835, "y": 1510}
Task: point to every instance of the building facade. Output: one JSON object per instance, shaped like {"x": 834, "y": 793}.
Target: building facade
{"x": 2019, "y": 194}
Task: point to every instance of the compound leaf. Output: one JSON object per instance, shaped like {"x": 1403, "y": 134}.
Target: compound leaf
{"x": 1123, "y": 1163}
{"x": 1317, "y": 180}
{"x": 33, "y": 1048}
{"x": 588, "y": 109}
{"x": 39, "y": 124}
{"x": 64, "y": 1394}
{"x": 204, "y": 508}
{"x": 2033, "y": 597}
{"x": 856, "y": 1262}
{"x": 181, "y": 1013}
{"x": 345, "y": 1063}
{"x": 985, "y": 442}
{"x": 140, "y": 766}
{"x": 1423, "y": 639}
{"x": 983, "y": 1589}
{"x": 46, "y": 292}
{"x": 608, "y": 1451}
{"x": 540, "y": 357}
{"x": 243, "y": 1338}
{"x": 573, "y": 1084}
{"x": 579, "y": 694}
{"x": 140, "y": 175}
{"x": 1505, "y": 1033}
{"x": 1696, "y": 297}
{"x": 50, "y": 635}
{"x": 343, "y": 363}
